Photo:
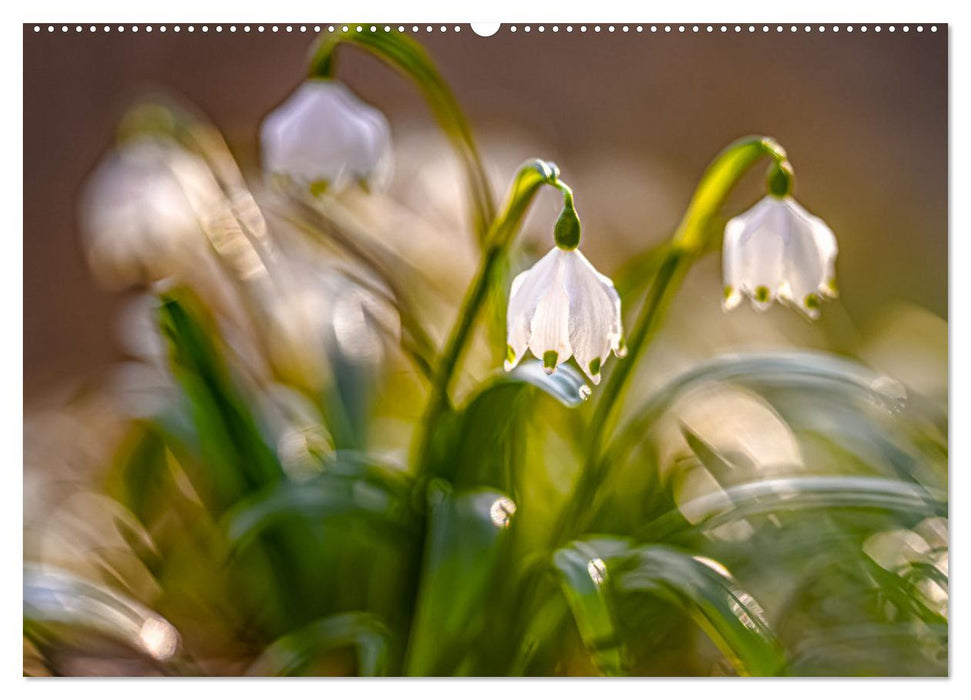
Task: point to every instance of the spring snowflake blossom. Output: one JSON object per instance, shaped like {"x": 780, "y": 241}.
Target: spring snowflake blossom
{"x": 778, "y": 250}
{"x": 324, "y": 138}
{"x": 140, "y": 212}
{"x": 563, "y": 307}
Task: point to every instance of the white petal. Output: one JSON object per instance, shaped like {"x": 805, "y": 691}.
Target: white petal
{"x": 826, "y": 244}
{"x": 804, "y": 265}
{"x": 615, "y": 328}
{"x": 762, "y": 253}
{"x": 592, "y": 315}
{"x": 549, "y": 329}
{"x": 810, "y": 257}
{"x": 527, "y": 289}
{"x": 732, "y": 263}
{"x": 517, "y": 325}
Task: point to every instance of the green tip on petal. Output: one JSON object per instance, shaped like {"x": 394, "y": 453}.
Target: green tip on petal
{"x": 621, "y": 350}
{"x": 549, "y": 360}
{"x": 594, "y": 366}
{"x": 319, "y": 187}
{"x": 811, "y": 301}
{"x": 762, "y": 293}
{"x": 832, "y": 288}
{"x": 729, "y": 290}
{"x": 510, "y": 354}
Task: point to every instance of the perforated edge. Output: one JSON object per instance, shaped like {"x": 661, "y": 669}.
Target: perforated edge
{"x": 510, "y": 28}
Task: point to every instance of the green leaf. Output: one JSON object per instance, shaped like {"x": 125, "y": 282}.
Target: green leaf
{"x": 566, "y": 385}
{"x": 322, "y": 498}
{"x": 729, "y": 616}
{"x": 142, "y": 473}
{"x": 804, "y": 379}
{"x": 294, "y": 653}
{"x": 237, "y": 459}
{"x": 484, "y": 445}
{"x": 797, "y": 494}
{"x": 465, "y": 552}
{"x": 583, "y": 573}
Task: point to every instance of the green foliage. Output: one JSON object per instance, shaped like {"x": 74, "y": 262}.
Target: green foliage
{"x": 436, "y": 578}
{"x": 295, "y": 654}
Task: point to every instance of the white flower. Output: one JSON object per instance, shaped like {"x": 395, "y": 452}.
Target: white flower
{"x": 561, "y": 307}
{"x": 140, "y": 212}
{"x": 324, "y": 137}
{"x": 779, "y": 250}
{"x": 319, "y": 313}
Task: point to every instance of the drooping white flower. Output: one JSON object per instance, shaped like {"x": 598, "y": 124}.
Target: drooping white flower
{"x": 140, "y": 212}
{"x": 324, "y": 138}
{"x": 778, "y": 250}
{"x": 563, "y": 307}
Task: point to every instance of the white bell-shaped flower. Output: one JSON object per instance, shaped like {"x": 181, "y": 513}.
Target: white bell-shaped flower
{"x": 561, "y": 307}
{"x": 778, "y": 250}
{"x": 140, "y": 212}
{"x": 324, "y": 138}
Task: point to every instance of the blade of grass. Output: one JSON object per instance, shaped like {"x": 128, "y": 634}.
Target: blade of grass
{"x": 466, "y": 548}
{"x": 729, "y": 616}
{"x": 799, "y": 493}
{"x": 293, "y": 654}
{"x": 482, "y": 447}
{"x": 322, "y": 498}
{"x": 583, "y": 575}
{"x": 236, "y": 457}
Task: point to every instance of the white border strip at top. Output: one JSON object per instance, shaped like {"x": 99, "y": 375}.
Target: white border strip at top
{"x": 716, "y": 28}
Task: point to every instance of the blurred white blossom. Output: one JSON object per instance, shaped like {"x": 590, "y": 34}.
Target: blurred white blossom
{"x": 778, "y": 250}
{"x": 317, "y": 313}
{"x": 324, "y": 137}
{"x": 561, "y": 307}
{"x": 140, "y": 212}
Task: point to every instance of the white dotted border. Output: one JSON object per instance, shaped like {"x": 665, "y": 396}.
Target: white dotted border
{"x": 513, "y": 28}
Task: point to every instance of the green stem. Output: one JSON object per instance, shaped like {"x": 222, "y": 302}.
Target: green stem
{"x": 410, "y": 59}
{"x": 530, "y": 177}
{"x": 689, "y": 241}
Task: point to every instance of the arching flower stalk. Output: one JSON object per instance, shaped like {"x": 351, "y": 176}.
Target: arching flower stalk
{"x": 408, "y": 58}
{"x": 563, "y": 307}
{"x": 599, "y": 335}
{"x": 805, "y": 254}
{"x": 778, "y": 250}
{"x": 323, "y": 138}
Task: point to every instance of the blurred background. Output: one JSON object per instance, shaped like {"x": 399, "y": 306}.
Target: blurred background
{"x": 219, "y": 469}
{"x": 862, "y": 115}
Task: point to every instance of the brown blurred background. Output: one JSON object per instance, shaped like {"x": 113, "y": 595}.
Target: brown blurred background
{"x": 863, "y": 116}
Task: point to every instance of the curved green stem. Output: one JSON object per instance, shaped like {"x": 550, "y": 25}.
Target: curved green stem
{"x": 409, "y": 58}
{"x": 689, "y": 241}
{"x": 530, "y": 177}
